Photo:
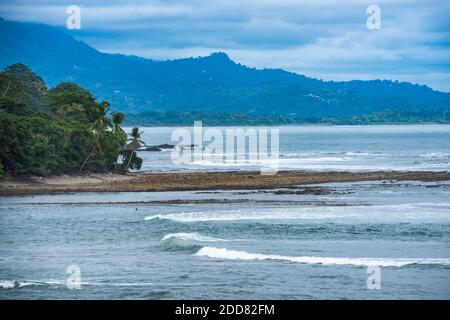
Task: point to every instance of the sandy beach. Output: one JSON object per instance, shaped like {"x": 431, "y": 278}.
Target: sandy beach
{"x": 139, "y": 182}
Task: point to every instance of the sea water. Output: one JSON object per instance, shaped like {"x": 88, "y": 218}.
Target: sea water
{"x": 235, "y": 245}
{"x": 325, "y": 148}
{"x": 246, "y": 244}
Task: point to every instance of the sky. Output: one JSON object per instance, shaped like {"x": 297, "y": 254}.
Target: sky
{"x": 324, "y": 39}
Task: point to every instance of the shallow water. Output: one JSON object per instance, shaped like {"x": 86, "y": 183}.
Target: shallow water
{"x": 258, "y": 245}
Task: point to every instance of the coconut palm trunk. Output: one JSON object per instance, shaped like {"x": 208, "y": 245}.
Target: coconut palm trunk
{"x": 134, "y": 143}
{"x": 101, "y": 124}
{"x": 129, "y": 160}
{"x": 87, "y": 158}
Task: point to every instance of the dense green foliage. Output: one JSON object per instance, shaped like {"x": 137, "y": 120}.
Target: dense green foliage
{"x": 209, "y": 84}
{"x": 441, "y": 116}
{"x": 75, "y": 133}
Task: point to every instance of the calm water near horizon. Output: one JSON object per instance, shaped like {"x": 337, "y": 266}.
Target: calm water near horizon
{"x": 329, "y": 148}
{"x": 259, "y": 244}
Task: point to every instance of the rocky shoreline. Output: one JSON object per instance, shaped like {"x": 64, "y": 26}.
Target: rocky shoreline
{"x": 139, "y": 182}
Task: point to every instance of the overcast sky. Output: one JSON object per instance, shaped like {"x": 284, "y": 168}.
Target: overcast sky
{"x": 319, "y": 38}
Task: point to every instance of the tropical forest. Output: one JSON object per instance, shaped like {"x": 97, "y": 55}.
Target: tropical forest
{"x": 59, "y": 130}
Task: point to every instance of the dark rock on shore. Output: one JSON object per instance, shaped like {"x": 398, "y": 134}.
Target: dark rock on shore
{"x": 309, "y": 190}
{"x": 157, "y": 148}
{"x": 150, "y": 148}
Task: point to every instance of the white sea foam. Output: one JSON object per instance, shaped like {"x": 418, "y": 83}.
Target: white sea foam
{"x": 222, "y": 253}
{"x": 238, "y": 215}
{"x": 435, "y": 155}
{"x": 365, "y": 154}
{"x": 9, "y": 284}
{"x": 12, "y": 284}
{"x": 402, "y": 212}
{"x": 352, "y": 161}
{"x": 194, "y": 236}
{"x": 270, "y": 161}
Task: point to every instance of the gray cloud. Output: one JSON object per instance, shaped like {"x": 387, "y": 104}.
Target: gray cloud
{"x": 322, "y": 38}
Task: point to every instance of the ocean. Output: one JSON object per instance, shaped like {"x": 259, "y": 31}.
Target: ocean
{"x": 356, "y": 240}
{"x": 327, "y": 148}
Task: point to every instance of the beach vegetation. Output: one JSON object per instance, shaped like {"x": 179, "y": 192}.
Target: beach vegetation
{"x": 58, "y": 131}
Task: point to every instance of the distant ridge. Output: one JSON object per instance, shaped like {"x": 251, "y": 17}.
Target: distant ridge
{"x": 206, "y": 84}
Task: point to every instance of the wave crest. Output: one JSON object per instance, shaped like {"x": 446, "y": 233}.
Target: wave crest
{"x": 222, "y": 253}
{"x": 14, "y": 284}
{"x": 397, "y": 211}
{"x": 193, "y": 236}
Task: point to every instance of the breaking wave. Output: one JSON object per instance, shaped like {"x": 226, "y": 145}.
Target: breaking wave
{"x": 435, "y": 155}
{"x": 402, "y": 212}
{"x": 193, "y": 236}
{"x": 14, "y": 284}
{"x": 222, "y": 253}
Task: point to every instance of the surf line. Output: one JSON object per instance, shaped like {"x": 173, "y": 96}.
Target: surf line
{"x": 187, "y": 310}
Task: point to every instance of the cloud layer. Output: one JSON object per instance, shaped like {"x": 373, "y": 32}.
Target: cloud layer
{"x": 321, "y": 38}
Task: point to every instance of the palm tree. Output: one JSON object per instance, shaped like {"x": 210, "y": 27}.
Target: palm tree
{"x": 100, "y": 125}
{"x": 117, "y": 119}
{"x": 134, "y": 143}
{"x": 102, "y": 122}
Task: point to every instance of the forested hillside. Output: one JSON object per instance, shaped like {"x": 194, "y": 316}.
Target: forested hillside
{"x": 61, "y": 130}
{"x": 204, "y": 84}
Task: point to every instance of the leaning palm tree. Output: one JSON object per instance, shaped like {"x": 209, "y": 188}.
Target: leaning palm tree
{"x": 121, "y": 135}
{"x": 117, "y": 119}
{"x": 102, "y": 122}
{"x": 134, "y": 143}
{"x": 98, "y": 127}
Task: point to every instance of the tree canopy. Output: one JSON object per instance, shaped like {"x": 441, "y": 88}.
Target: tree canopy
{"x": 56, "y": 131}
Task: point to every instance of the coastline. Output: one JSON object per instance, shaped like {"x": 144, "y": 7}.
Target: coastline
{"x": 141, "y": 182}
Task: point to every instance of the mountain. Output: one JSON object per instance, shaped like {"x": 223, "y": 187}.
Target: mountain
{"x": 208, "y": 84}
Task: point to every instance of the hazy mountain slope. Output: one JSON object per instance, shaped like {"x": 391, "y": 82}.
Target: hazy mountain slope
{"x": 211, "y": 84}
